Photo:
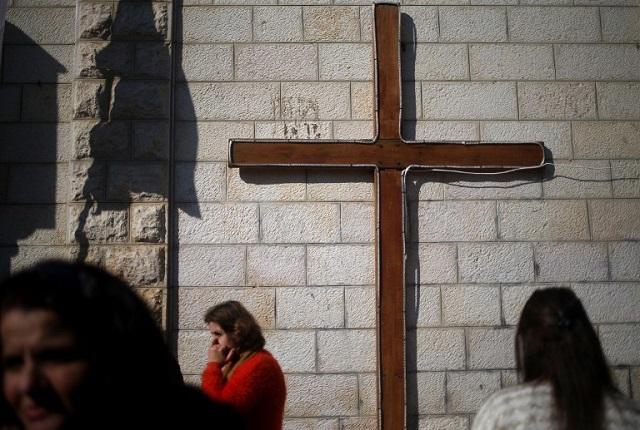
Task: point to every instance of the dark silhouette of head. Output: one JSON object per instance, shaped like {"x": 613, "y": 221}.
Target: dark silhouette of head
{"x": 113, "y": 332}
{"x": 238, "y": 323}
{"x": 556, "y": 343}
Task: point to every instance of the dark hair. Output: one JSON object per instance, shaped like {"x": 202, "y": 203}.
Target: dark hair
{"x": 556, "y": 343}
{"x": 128, "y": 359}
{"x": 238, "y": 323}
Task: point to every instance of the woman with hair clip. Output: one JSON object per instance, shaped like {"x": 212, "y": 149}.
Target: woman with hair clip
{"x": 240, "y": 372}
{"x": 566, "y": 381}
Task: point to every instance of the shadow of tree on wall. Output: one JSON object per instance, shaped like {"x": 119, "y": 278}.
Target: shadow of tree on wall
{"x": 30, "y": 127}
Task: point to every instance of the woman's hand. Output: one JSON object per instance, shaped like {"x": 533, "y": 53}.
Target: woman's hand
{"x": 220, "y": 354}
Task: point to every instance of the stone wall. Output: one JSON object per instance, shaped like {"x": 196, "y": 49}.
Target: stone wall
{"x": 296, "y": 246}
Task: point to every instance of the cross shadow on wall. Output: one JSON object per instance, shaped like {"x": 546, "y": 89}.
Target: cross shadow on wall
{"x": 30, "y": 134}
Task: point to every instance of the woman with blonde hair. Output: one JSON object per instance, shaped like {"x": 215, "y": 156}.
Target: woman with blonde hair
{"x": 239, "y": 371}
{"x": 566, "y": 381}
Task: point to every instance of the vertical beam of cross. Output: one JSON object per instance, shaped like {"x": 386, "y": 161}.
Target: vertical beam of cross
{"x": 387, "y": 155}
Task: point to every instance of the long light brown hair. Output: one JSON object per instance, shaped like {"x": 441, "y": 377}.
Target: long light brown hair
{"x": 556, "y": 343}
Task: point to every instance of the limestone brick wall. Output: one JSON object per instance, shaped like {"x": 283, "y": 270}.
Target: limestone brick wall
{"x": 85, "y": 132}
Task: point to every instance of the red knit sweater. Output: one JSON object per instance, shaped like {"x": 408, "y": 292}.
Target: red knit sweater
{"x": 256, "y": 390}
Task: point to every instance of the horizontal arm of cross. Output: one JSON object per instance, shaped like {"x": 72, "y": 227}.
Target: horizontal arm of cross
{"x": 390, "y": 153}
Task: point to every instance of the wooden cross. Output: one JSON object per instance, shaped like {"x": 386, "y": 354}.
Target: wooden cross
{"x": 387, "y": 155}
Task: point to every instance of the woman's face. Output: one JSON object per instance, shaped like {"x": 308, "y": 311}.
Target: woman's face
{"x": 220, "y": 337}
{"x": 43, "y": 368}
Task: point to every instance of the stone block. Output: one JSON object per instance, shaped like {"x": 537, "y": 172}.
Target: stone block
{"x": 470, "y": 305}
{"x": 362, "y": 100}
{"x": 495, "y": 262}
{"x": 200, "y": 183}
{"x": 435, "y": 61}
{"x": 491, "y": 348}
{"x": 228, "y": 101}
{"x": 87, "y": 180}
{"x": 509, "y": 378}
{"x": 91, "y": 99}
{"x": 339, "y": 185}
{"x": 543, "y": 220}
{"x": 225, "y": 265}
{"x": 425, "y": 186}
{"x": 624, "y": 260}
{"x": 556, "y": 24}
{"x": 526, "y": 185}
{"x": 153, "y": 60}
{"x": 412, "y": 105}
{"x": 141, "y": 21}
{"x": 511, "y": 62}
{"x": 310, "y": 307}
{"x": 331, "y": 24}
{"x": 593, "y": 62}
{"x": 359, "y": 423}
{"x": 635, "y": 382}
{"x": 276, "y": 62}
{"x": 513, "y": 299}
{"x": 101, "y": 140}
{"x": 194, "y": 302}
{"x": 347, "y": 350}
{"x": 208, "y": 141}
{"x": 562, "y": 262}
{"x": 439, "y": 349}
{"x": 140, "y": 100}
{"x": 331, "y": 395}
{"x": 140, "y": 266}
{"x": 424, "y": 307}
{"x": 620, "y": 24}
{"x": 103, "y": 59}
{"x": 555, "y": 135}
{"x": 201, "y": 62}
{"x": 151, "y": 140}
{"x": 366, "y": 23}
{"x": 294, "y": 350}
{"x": 25, "y": 257}
{"x": 614, "y": 219}
{"x": 467, "y": 391}
{"x": 621, "y": 381}
{"x": 357, "y": 222}
{"x": 315, "y": 100}
{"x": 579, "y": 179}
{"x": 156, "y": 300}
{"x": 248, "y": 184}
{"x": 610, "y": 302}
{"x": 606, "y": 139}
{"x": 353, "y": 130}
{"x": 300, "y": 223}
{"x": 472, "y": 24}
{"x": 367, "y": 393}
{"x": 345, "y": 61}
{"x": 46, "y": 103}
{"x": 276, "y": 265}
{"x": 219, "y": 223}
{"x": 456, "y": 221}
{"x": 192, "y": 351}
{"x": 137, "y": 181}
{"x": 32, "y": 225}
{"x": 430, "y": 393}
{"x": 277, "y": 24}
{"x": 619, "y": 343}
{"x": 95, "y": 20}
{"x": 293, "y": 130}
{"x": 556, "y": 100}
{"x": 418, "y": 24}
{"x": 445, "y": 130}
{"x": 40, "y": 25}
{"x": 448, "y": 422}
{"x": 618, "y": 100}
{"x": 469, "y": 100}
{"x": 38, "y": 64}
{"x": 213, "y": 24}
{"x": 626, "y": 178}
{"x": 98, "y": 223}
{"x": 148, "y": 223}
{"x": 340, "y": 265}
{"x": 37, "y": 183}
{"x": 311, "y": 424}
{"x": 11, "y": 96}
{"x": 360, "y": 307}
{"x": 432, "y": 263}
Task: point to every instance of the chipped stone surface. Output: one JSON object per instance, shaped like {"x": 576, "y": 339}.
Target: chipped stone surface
{"x": 102, "y": 59}
{"x": 141, "y": 265}
{"x": 100, "y": 140}
{"x": 98, "y": 223}
{"x": 94, "y": 20}
{"x": 148, "y": 223}
{"x": 141, "y": 21}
